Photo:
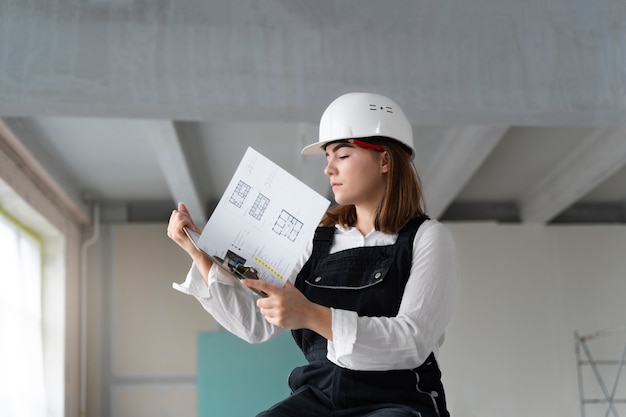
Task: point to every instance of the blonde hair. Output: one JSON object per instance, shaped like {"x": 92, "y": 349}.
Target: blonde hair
{"x": 402, "y": 200}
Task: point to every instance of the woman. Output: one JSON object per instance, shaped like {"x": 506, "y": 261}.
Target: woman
{"x": 370, "y": 298}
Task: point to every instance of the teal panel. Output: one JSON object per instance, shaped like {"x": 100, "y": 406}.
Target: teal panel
{"x": 239, "y": 379}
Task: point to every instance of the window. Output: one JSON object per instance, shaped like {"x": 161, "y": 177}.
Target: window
{"x": 22, "y": 390}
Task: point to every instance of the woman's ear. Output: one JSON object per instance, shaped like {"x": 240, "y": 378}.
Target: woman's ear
{"x": 384, "y": 162}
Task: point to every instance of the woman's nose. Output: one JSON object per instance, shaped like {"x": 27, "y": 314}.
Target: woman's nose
{"x": 329, "y": 169}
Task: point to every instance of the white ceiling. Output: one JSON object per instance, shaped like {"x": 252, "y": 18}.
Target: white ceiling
{"x": 518, "y": 108}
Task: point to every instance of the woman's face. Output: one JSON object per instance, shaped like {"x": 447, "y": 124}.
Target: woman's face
{"x": 357, "y": 175}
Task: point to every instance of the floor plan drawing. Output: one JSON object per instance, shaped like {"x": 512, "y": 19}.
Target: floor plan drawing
{"x": 258, "y": 208}
{"x": 288, "y": 226}
{"x": 239, "y": 194}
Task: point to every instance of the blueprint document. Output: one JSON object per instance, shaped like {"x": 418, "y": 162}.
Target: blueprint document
{"x": 265, "y": 219}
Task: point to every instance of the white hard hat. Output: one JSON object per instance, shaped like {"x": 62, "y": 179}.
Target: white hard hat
{"x": 361, "y": 116}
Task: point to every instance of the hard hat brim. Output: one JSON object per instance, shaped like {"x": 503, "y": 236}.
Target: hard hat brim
{"x": 317, "y": 148}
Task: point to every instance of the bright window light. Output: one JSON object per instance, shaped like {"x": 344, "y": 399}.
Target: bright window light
{"x": 22, "y": 390}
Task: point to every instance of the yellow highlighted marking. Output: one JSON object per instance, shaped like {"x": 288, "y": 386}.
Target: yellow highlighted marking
{"x": 269, "y": 268}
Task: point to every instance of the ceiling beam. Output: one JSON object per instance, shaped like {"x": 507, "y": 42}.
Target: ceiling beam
{"x": 459, "y": 155}
{"x": 591, "y": 162}
{"x": 171, "y": 158}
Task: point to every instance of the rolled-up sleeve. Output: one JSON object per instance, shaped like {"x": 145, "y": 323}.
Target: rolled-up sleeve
{"x": 230, "y": 303}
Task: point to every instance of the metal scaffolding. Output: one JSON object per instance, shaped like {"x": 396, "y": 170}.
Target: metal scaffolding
{"x": 610, "y": 398}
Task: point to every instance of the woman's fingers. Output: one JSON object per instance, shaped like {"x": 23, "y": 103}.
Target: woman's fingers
{"x": 179, "y": 220}
{"x": 285, "y": 307}
{"x": 182, "y": 210}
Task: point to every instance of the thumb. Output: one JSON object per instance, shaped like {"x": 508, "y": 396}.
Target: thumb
{"x": 183, "y": 208}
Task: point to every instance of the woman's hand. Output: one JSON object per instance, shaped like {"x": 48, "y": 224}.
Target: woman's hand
{"x": 287, "y": 307}
{"x": 180, "y": 219}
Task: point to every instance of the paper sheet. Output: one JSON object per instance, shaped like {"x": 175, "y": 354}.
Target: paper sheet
{"x": 266, "y": 216}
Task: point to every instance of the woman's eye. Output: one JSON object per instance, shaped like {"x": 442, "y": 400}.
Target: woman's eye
{"x": 343, "y": 156}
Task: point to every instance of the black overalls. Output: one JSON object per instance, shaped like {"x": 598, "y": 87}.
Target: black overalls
{"x": 369, "y": 281}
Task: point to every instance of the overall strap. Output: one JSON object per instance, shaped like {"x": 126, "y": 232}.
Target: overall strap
{"x": 322, "y": 240}
{"x": 407, "y": 233}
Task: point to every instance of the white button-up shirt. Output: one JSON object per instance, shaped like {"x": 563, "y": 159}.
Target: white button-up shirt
{"x": 359, "y": 343}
